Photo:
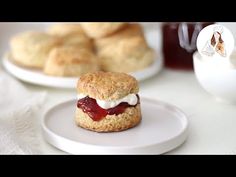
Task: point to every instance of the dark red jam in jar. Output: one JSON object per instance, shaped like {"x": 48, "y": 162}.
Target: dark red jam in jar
{"x": 179, "y": 43}
{"x": 95, "y": 112}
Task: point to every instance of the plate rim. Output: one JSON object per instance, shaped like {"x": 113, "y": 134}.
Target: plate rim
{"x": 9, "y": 64}
{"x": 154, "y": 69}
{"x": 183, "y": 134}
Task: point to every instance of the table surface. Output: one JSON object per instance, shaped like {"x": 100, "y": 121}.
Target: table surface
{"x": 211, "y": 124}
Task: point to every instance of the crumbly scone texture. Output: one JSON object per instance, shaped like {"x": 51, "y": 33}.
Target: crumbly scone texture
{"x": 111, "y": 123}
{"x": 126, "y": 55}
{"x": 31, "y": 48}
{"x": 70, "y": 61}
{"x": 107, "y": 85}
{"x": 131, "y": 64}
{"x": 99, "y": 30}
{"x": 77, "y": 40}
{"x": 64, "y": 29}
{"x": 128, "y": 31}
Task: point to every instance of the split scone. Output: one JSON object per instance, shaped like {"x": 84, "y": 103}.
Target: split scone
{"x": 31, "y": 48}
{"x": 68, "y": 61}
{"x": 101, "y": 29}
{"x": 71, "y": 35}
{"x": 107, "y": 102}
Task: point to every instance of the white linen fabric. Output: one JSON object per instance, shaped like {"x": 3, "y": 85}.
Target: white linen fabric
{"x": 19, "y": 111}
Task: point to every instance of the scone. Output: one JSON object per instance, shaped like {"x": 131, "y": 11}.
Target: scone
{"x": 31, "y": 48}
{"x": 128, "y": 31}
{"x": 107, "y": 102}
{"x": 124, "y": 51}
{"x": 71, "y": 35}
{"x": 127, "y": 55}
{"x": 101, "y": 29}
{"x": 68, "y": 61}
{"x": 63, "y": 29}
{"x": 77, "y": 40}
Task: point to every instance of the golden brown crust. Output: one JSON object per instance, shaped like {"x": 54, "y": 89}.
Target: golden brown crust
{"x": 99, "y": 30}
{"x": 77, "y": 40}
{"x": 71, "y": 35}
{"x": 12, "y": 60}
{"x": 31, "y": 48}
{"x": 127, "y": 64}
{"x": 124, "y": 51}
{"x": 107, "y": 85}
{"x": 70, "y": 61}
{"x": 111, "y": 123}
{"x": 63, "y": 29}
{"x": 130, "y": 30}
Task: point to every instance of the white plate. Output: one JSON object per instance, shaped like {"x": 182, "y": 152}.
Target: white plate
{"x": 163, "y": 128}
{"x": 37, "y": 77}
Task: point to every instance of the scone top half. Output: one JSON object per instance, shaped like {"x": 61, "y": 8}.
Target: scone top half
{"x": 107, "y": 86}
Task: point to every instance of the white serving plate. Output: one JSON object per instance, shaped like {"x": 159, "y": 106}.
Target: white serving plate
{"x": 39, "y": 78}
{"x": 163, "y": 128}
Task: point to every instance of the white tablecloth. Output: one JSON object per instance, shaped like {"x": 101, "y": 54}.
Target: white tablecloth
{"x": 19, "y": 117}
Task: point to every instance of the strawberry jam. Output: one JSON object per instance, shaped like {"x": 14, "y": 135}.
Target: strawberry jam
{"x": 95, "y": 112}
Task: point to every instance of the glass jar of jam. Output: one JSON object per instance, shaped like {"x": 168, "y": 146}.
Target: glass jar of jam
{"x": 179, "y": 43}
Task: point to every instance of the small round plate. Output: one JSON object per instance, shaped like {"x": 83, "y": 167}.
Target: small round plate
{"x": 163, "y": 128}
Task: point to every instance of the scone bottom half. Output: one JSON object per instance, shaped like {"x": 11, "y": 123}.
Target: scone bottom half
{"x": 111, "y": 114}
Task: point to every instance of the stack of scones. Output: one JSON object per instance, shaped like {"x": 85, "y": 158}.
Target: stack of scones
{"x": 74, "y": 49}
